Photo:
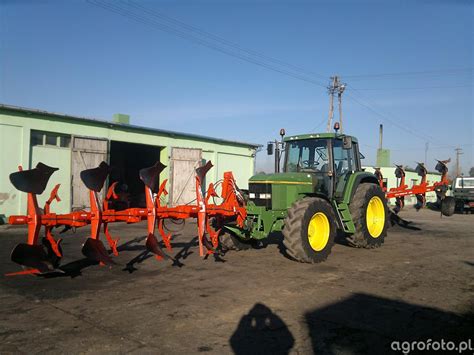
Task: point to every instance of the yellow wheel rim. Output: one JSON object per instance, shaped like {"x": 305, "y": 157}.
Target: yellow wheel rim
{"x": 375, "y": 217}
{"x": 318, "y": 231}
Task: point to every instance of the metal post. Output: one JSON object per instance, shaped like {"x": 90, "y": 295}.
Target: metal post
{"x": 277, "y": 157}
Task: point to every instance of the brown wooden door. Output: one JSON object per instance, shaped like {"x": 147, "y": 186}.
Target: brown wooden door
{"x": 184, "y": 162}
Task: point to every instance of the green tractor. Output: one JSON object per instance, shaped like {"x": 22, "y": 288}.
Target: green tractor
{"x": 321, "y": 192}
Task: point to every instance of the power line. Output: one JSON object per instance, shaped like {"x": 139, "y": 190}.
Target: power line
{"x": 385, "y": 117}
{"x": 219, "y": 39}
{"x": 417, "y": 88}
{"x": 192, "y": 38}
{"x": 412, "y": 73}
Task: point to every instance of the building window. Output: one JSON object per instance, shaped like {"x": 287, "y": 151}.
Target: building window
{"x": 50, "y": 138}
{"x": 37, "y": 138}
{"x": 65, "y": 141}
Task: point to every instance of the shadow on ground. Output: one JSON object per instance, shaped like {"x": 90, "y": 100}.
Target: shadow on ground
{"x": 366, "y": 324}
{"x": 360, "y": 324}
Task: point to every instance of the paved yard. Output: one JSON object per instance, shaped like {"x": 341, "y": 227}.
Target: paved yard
{"x": 418, "y": 286}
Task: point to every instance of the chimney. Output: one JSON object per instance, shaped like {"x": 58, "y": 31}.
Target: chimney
{"x": 380, "y": 136}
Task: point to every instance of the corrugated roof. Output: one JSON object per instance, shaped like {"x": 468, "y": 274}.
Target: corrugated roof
{"x": 110, "y": 124}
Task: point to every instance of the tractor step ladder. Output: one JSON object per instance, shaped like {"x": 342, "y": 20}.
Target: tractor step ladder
{"x": 345, "y": 217}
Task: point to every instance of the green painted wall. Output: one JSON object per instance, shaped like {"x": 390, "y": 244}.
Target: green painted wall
{"x": 59, "y": 158}
{"x": 15, "y": 129}
{"x": 11, "y": 155}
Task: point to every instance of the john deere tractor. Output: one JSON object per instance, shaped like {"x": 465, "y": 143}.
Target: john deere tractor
{"x": 322, "y": 191}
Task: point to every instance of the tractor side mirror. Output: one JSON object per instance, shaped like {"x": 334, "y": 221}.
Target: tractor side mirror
{"x": 270, "y": 148}
{"x": 347, "y": 142}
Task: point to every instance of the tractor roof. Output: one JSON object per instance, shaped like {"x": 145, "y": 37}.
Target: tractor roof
{"x": 317, "y": 135}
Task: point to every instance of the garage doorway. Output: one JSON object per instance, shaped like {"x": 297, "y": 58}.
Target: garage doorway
{"x": 126, "y": 160}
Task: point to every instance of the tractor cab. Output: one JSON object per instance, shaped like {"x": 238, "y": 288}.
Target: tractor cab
{"x": 329, "y": 157}
{"x": 314, "y": 164}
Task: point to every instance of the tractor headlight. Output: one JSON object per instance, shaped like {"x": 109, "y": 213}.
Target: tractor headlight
{"x": 265, "y": 196}
{"x": 252, "y": 195}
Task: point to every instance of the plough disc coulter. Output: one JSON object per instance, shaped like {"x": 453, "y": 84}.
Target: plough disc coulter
{"x": 39, "y": 257}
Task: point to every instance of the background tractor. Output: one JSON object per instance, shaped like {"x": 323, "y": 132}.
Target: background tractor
{"x": 321, "y": 191}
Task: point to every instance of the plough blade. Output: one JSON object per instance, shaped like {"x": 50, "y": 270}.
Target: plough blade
{"x": 95, "y": 250}
{"x": 151, "y": 176}
{"x": 33, "y": 180}
{"x": 202, "y": 170}
{"x": 94, "y": 178}
{"x": 33, "y": 256}
{"x": 153, "y": 247}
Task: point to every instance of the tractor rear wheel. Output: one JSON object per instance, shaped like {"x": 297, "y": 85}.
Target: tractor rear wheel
{"x": 309, "y": 230}
{"x": 369, "y": 212}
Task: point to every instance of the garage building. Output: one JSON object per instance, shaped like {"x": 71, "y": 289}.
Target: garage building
{"x": 72, "y": 144}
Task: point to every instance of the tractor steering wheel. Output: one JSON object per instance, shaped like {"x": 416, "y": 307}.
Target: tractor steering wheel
{"x": 309, "y": 164}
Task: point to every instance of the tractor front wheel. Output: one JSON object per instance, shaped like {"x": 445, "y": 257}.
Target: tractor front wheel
{"x": 309, "y": 230}
{"x": 369, "y": 213}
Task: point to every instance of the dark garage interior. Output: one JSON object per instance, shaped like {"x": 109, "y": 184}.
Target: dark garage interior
{"x": 126, "y": 160}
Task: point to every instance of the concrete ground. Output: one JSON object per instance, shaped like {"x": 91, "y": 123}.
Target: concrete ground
{"x": 418, "y": 286}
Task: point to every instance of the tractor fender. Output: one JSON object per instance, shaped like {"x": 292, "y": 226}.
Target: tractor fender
{"x": 354, "y": 180}
{"x": 326, "y": 198}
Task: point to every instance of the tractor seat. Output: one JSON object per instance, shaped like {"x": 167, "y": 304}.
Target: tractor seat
{"x": 33, "y": 180}
{"x": 151, "y": 176}
{"x": 94, "y": 178}
{"x": 324, "y": 168}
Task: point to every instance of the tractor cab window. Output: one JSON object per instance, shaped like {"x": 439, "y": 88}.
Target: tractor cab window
{"x": 344, "y": 160}
{"x": 308, "y": 155}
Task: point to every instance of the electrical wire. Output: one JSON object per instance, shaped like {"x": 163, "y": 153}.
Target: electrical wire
{"x": 413, "y": 73}
{"x": 352, "y": 95}
{"x": 418, "y": 88}
{"x": 221, "y": 40}
{"x": 199, "y": 36}
{"x": 192, "y": 38}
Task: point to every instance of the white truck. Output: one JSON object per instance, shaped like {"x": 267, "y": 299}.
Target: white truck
{"x": 463, "y": 193}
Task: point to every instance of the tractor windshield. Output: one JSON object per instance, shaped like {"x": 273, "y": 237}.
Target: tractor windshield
{"x": 307, "y": 155}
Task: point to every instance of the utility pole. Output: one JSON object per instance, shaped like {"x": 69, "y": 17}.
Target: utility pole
{"x": 335, "y": 87}
{"x": 340, "y": 90}
{"x": 331, "y": 91}
{"x": 458, "y": 168}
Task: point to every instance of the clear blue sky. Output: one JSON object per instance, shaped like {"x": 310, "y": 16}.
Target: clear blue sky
{"x": 77, "y": 58}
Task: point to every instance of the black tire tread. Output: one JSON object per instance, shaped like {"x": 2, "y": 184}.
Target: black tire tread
{"x": 292, "y": 229}
{"x": 358, "y": 209}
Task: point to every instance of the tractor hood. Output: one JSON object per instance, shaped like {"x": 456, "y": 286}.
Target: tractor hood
{"x": 279, "y": 191}
{"x": 284, "y": 178}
